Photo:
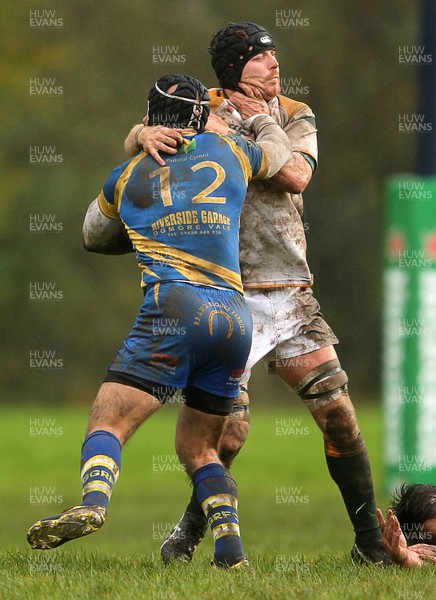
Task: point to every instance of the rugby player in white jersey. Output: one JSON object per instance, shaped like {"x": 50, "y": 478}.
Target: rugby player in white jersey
{"x": 289, "y": 330}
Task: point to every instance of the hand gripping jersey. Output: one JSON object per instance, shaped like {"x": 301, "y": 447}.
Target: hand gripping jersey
{"x": 272, "y": 237}
{"x": 183, "y": 218}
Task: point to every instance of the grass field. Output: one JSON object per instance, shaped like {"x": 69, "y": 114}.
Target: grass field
{"x": 295, "y": 530}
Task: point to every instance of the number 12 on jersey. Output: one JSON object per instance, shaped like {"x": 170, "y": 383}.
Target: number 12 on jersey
{"x": 202, "y": 197}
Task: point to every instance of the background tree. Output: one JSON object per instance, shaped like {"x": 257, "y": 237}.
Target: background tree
{"x": 105, "y": 56}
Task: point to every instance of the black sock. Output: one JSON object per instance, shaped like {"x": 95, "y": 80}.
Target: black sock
{"x": 352, "y": 474}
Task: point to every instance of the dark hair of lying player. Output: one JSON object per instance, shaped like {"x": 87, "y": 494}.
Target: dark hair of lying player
{"x": 415, "y": 508}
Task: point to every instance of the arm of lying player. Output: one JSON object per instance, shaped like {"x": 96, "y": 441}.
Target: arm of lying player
{"x": 104, "y": 235}
{"x": 425, "y": 551}
{"x": 396, "y": 544}
{"x": 152, "y": 140}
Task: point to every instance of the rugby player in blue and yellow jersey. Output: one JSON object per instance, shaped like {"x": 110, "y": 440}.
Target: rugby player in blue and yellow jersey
{"x": 194, "y": 328}
{"x": 289, "y": 332}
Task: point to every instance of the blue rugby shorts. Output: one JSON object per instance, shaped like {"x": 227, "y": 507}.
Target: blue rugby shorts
{"x": 188, "y": 336}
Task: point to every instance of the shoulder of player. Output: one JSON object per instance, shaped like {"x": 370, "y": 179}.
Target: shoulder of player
{"x": 122, "y": 173}
{"x": 239, "y": 146}
{"x": 293, "y": 108}
{"x": 118, "y": 171}
{"x": 235, "y": 142}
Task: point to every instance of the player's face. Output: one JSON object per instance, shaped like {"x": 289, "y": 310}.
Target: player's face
{"x": 263, "y": 71}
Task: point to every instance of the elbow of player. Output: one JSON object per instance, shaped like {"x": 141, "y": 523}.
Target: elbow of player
{"x": 295, "y": 184}
{"x": 87, "y": 244}
{"x": 300, "y": 180}
{"x": 292, "y": 180}
{"x": 299, "y": 185}
{"x": 88, "y": 241}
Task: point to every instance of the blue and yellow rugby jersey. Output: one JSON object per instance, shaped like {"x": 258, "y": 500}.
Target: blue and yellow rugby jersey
{"x": 183, "y": 218}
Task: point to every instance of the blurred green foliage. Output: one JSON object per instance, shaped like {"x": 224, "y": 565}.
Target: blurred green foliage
{"x": 105, "y": 56}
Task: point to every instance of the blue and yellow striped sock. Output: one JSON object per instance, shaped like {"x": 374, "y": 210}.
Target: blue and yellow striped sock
{"x": 100, "y": 467}
{"x": 218, "y": 495}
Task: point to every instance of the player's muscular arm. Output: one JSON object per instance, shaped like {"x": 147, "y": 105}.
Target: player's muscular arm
{"x": 274, "y": 142}
{"x": 103, "y": 235}
{"x": 153, "y": 140}
{"x": 132, "y": 147}
{"x": 294, "y": 176}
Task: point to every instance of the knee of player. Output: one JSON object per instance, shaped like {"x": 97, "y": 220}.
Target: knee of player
{"x": 234, "y": 434}
{"x": 230, "y": 445}
{"x": 236, "y": 430}
{"x": 322, "y": 386}
{"x": 238, "y": 423}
